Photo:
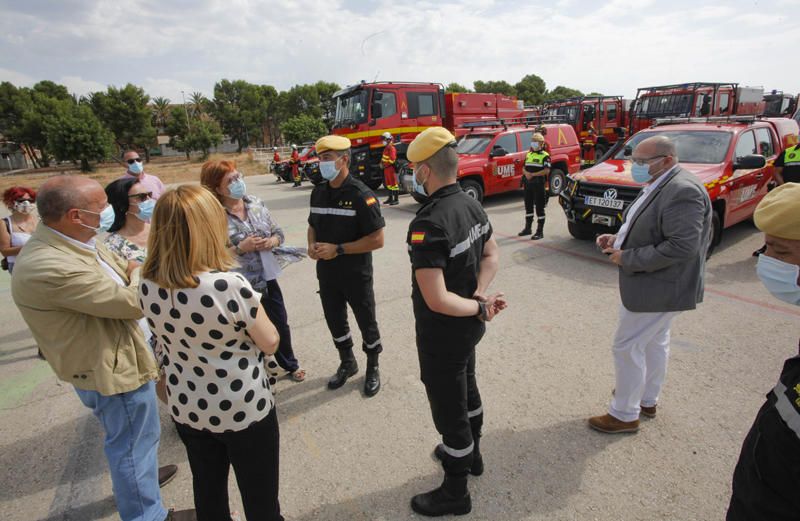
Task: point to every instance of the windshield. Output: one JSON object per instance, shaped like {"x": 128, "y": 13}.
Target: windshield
{"x": 305, "y": 151}
{"x": 351, "y": 108}
{"x": 570, "y": 112}
{"x": 473, "y": 144}
{"x": 667, "y": 105}
{"x": 694, "y": 146}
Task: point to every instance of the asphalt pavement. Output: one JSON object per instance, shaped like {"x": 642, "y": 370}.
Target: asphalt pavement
{"x": 544, "y": 366}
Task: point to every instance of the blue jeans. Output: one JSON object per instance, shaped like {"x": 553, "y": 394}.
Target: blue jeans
{"x": 131, "y": 423}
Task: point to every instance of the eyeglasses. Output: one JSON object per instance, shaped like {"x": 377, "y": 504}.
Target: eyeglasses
{"x": 144, "y": 196}
{"x": 134, "y": 160}
{"x": 645, "y": 161}
{"x": 23, "y": 201}
{"x": 235, "y": 176}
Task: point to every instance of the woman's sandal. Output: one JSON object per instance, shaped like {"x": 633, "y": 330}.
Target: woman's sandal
{"x": 298, "y": 375}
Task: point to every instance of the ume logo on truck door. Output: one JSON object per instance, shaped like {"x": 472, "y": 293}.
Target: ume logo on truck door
{"x": 505, "y": 170}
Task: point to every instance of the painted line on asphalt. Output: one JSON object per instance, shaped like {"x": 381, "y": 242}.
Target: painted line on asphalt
{"x": 606, "y": 263}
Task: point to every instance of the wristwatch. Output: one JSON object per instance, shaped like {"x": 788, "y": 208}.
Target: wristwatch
{"x": 339, "y": 249}
{"x": 482, "y": 313}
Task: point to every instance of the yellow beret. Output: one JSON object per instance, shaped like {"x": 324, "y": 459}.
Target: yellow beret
{"x": 428, "y": 142}
{"x": 335, "y": 143}
{"x": 778, "y": 213}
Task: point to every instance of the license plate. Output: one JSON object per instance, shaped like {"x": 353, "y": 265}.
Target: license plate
{"x": 605, "y": 220}
{"x": 600, "y": 202}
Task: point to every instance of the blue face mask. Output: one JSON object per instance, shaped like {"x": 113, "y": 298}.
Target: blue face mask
{"x": 237, "y": 189}
{"x": 328, "y": 170}
{"x": 641, "y": 173}
{"x": 780, "y": 278}
{"x": 136, "y": 168}
{"x": 418, "y": 187}
{"x": 107, "y": 217}
{"x": 146, "y": 210}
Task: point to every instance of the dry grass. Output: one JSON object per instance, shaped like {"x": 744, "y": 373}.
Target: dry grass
{"x": 169, "y": 170}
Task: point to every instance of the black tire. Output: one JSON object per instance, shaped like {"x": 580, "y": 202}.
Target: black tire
{"x": 599, "y": 151}
{"x": 373, "y": 183}
{"x": 583, "y": 232}
{"x": 558, "y": 179}
{"x": 399, "y": 167}
{"x": 716, "y": 233}
{"x": 472, "y": 189}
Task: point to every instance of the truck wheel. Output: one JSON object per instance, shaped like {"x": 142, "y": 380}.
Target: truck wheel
{"x": 373, "y": 183}
{"x": 715, "y": 233}
{"x": 400, "y": 167}
{"x": 473, "y": 189}
{"x": 583, "y": 232}
{"x": 558, "y": 179}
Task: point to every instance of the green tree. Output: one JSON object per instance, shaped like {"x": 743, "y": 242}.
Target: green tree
{"x": 456, "y": 87}
{"x": 237, "y": 106}
{"x": 562, "y": 92}
{"x": 198, "y": 104}
{"x": 595, "y": 94}
{"x": 495, "y": 87}
{"x": 302, "y": 128}
{"x": 127, "y": 114}
{"x": 200, "y": 135}
{"x": 75, "y": 134}
{"x": 531, "y": 89}
{"x": 325, "y": 92}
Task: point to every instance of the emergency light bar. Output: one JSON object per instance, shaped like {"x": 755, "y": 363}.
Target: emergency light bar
{"x": 748, "y": 118}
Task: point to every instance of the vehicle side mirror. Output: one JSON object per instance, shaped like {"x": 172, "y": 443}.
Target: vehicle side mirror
{"x": 377, "y": 96}
{"x": 498, "y": 151}
{"x": 749, "y": 162}
{"x": 377, "y": 110}
{"x": 628, "y": 151}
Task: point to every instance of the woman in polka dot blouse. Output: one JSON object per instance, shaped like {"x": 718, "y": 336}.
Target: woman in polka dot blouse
{"x": 215, "y": 335}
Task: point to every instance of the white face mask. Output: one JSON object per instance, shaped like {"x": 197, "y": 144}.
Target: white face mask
{"x": 780, "y": 278}
{"x": 25, "y": 207}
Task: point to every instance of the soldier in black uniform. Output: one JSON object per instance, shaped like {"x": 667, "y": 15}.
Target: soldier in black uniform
{"x": 766, "y": 481}
{"x": 344, "y": 226}
{"x": 454, "y": 259}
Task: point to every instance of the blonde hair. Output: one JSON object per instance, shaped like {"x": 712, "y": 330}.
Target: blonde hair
{"x": 188, "y": 235}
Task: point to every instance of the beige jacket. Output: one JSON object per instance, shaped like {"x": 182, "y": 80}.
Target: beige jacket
{"x": 83, "y": 320}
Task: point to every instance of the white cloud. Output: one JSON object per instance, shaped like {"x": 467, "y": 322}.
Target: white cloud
{"x": 80, "y": 86}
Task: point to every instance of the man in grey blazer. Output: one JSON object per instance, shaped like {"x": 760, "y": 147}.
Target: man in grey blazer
{"x": 660, "y": 250}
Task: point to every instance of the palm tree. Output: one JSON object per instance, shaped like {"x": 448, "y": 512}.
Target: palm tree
{"x": 198, "y": 103}
{"x": 161, "y": 111}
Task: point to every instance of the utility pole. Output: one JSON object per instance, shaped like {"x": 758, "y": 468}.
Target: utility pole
{"x": 186, "y": 111}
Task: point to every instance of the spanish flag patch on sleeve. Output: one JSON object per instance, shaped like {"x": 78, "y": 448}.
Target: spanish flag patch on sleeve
{"x": 370, "y": 201}
{"x": 417, "y": 237}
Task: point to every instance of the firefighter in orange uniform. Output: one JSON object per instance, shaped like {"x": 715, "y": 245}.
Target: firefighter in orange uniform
{"x": 276, "y": 157}
{"x": 295, "y": 162}
{"x": 388, "y": 162}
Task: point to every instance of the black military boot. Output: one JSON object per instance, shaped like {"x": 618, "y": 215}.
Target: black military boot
{"x": 395, "y": 198}
{"x": 347, "y": 368}
{"x": 527, "y": 229}
{"x": 539, "y": 230}
{"x": 389, "y": 199}
{"x": 372, "y": 383}
{"x": 452, "y": 497}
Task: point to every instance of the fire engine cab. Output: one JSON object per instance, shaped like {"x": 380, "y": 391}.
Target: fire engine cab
{"x": 693, "y": 100}
{"x": 404, "y": 109}
{"x": 599, "y": 121}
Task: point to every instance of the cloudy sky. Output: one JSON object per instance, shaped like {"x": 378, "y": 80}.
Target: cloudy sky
{"x": 611, "y": 46}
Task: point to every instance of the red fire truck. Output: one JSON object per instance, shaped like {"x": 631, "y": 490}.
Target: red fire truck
{"x": 599, "y": 121}
{"x": 693, "y": 100}
{"x": 404, "y": 109}
{"x": 778, "y": 104}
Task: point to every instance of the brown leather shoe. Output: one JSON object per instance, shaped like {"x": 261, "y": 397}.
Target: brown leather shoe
{"x": 610, "y": 425}
{"x": 650, "y": 412}
{"x": 166, "y": 474}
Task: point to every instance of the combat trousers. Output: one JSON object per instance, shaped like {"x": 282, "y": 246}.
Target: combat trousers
{"x": 535, "y": 198}
{"x": 336, "y": 292}
{"x": 455, "y": 402}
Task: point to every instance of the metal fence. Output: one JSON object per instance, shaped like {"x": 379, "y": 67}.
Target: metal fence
{"x": 264, "y": 155}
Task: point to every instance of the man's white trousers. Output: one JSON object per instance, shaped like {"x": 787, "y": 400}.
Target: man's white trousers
{"x": 641, "y": 350}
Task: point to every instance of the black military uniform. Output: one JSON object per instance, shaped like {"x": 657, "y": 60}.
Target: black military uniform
{"x": 789, "y": 160}
{"x": 535, "y": 191}
{"x": 450, "y": 232}
{"x": 767, "y": 476}
{"x": 341, "y": 215}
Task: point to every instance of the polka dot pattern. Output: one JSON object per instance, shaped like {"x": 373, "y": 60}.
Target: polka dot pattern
{"x": 217, "y": 379}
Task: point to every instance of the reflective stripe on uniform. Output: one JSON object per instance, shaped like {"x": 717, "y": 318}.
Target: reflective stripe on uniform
{"x": 372, "y": 345}
{"x": 333, "y": 211}
{"x": 786, "y": 409}
{"x": 476, "y": 232}
{"x": 343, "y": 338}
{"x": 476, "y": 412}
{"x": 458, "y": 453}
